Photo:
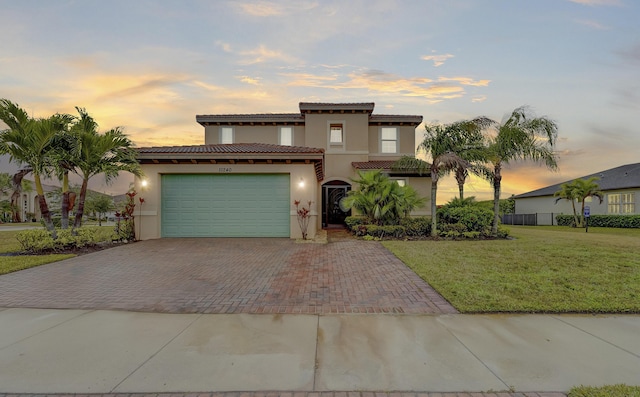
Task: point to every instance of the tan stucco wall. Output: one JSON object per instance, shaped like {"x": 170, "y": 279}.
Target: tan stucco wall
{"x": 354, "y": 129}
{"x": 406, "y": 142}
{"x": 149, "y": 220}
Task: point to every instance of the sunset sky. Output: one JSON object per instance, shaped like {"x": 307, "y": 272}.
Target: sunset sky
{"x": 151, "y": 66}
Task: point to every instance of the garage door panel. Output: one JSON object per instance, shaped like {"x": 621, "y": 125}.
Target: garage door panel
{"x": 214, "y": 205}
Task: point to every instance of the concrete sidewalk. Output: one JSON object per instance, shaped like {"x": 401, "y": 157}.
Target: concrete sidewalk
{"x": 84, "y": 351}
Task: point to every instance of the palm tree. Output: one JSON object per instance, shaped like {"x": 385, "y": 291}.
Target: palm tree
{"x": 65, "y": 148}
{"x": 29, "y": 141}
{"x": 467, "y": 141}
{"x": 567, "y": 192}
{"x": 579, "y": 190}
{"x": 381, "y": 200}
{"x": 452, "y": 147}
{"x": 107, "y": 154}
{"x": 520, "y": 137}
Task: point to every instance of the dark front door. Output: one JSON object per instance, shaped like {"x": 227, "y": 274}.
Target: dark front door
{"x": 332, "y": 212}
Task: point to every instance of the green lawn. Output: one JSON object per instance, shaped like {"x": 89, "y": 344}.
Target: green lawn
{"x": 605, "y": 391}
{"x": 8, "y": 242}
{"x": 544, "y": 269}
{"x": 10, "y": 264}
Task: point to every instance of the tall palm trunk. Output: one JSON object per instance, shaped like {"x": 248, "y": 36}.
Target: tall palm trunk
{"x": 460, "y": 179}
{"x": 44, "y": 208}
{"x": 497, "y": 180}
{"x": 434, "y": 208}
{"x": 65, "y": 201}
{"x": 83, "y": 194}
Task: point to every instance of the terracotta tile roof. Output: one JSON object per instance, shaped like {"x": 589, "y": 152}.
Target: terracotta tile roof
{"x": 373, "y": 165}
{"x": 235, "y": 148}
{"x": 385, "y": 165}
{"x": 250, "y": 118}
{"x": 364, "y": 106}
{"x": 395, "y": 119}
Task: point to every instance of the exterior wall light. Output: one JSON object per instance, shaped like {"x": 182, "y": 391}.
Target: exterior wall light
{"x": 301, "y": 183}
{"x": 144, "y": 183}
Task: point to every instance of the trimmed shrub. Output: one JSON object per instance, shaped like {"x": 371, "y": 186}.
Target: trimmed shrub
{"x": 473, "y": 218}
{"x": 616, "y": 221}
{"x": 35, "y": 240}
{"x": 354, "y": 221}
{"x": 40, "y": 240}
{"x": 417, "y": 227}
{"x": 394, "y": 231}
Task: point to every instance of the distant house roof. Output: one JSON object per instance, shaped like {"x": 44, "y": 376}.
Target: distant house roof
{"x": 234, "y": 153}
{"x": 623, "y": 177}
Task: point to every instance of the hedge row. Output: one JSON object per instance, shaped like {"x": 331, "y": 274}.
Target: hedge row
{"x": 40, "y": 240}
{"x": 617, "y": 221}
{"x": 409, "y": 227}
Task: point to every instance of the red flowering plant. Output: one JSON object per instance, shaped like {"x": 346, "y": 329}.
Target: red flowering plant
{"x": 125, "y": 226}
{"x": 304, "y": 214}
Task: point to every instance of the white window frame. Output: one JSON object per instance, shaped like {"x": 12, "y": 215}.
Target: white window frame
{"x": 396, "y": 141}
{"x": 336, "y": 146}
{"x": 281, "y": 132}
{"x": 621, "y": 203}
{"x": 334, "y": 127}
{"x": 223, "y": 139}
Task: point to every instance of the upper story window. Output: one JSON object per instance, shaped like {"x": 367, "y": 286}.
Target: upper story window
{"x": 226, "y": 134}
{"x": 336, "y": 134}
{"x": 621, "y": 203}
{"x": 389, "y": 140}
{"x": 285, "y": 136}
{"x": 400, "y": 182}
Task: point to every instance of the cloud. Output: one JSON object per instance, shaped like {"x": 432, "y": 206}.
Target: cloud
{"x": 249, "y": 80}
{"x": 592, "y": 24}
{"x": 275, "y": 9}
{"x": 597, "y": 2}
{"x": 226, "y": 47}
{"x": 262, "y": 54}
{"x": 438, "y": 60}
{"x": 631, "y": 54}
{"x": 466, "y": 81}
{"x": 379, "y": 83}
{"x": 479, "y": 98}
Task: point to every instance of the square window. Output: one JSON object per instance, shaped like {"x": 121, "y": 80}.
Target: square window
{"x": 285, "y": 137}
{"x": 226, "y": 135}
{"x": 336, "y": 134}
{"x": 389, "y": 140}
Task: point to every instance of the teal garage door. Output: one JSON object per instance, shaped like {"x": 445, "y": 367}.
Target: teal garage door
{"x": 225, "y": 205}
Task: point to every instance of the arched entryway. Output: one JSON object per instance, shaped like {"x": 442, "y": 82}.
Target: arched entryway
{"x": 332, "y": 213}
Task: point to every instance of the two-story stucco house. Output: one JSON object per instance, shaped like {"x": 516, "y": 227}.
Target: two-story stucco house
{"x": 252, "y": 167}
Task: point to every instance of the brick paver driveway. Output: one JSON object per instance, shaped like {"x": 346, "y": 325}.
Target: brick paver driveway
{"x": 223, "y": 275}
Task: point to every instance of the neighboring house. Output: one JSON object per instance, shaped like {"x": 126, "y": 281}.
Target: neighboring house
{"x": 28, "y": 202}
{"x": 621, "y": 187}
{"x": 243, "y": 181}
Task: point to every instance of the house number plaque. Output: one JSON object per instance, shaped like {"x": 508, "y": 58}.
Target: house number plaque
{"x": 225, "y": 169}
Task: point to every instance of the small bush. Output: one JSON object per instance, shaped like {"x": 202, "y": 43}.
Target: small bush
{"x": 354, "y": 221}
{"x": 474, "y": 218}
{"x": 417, "y": 227}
